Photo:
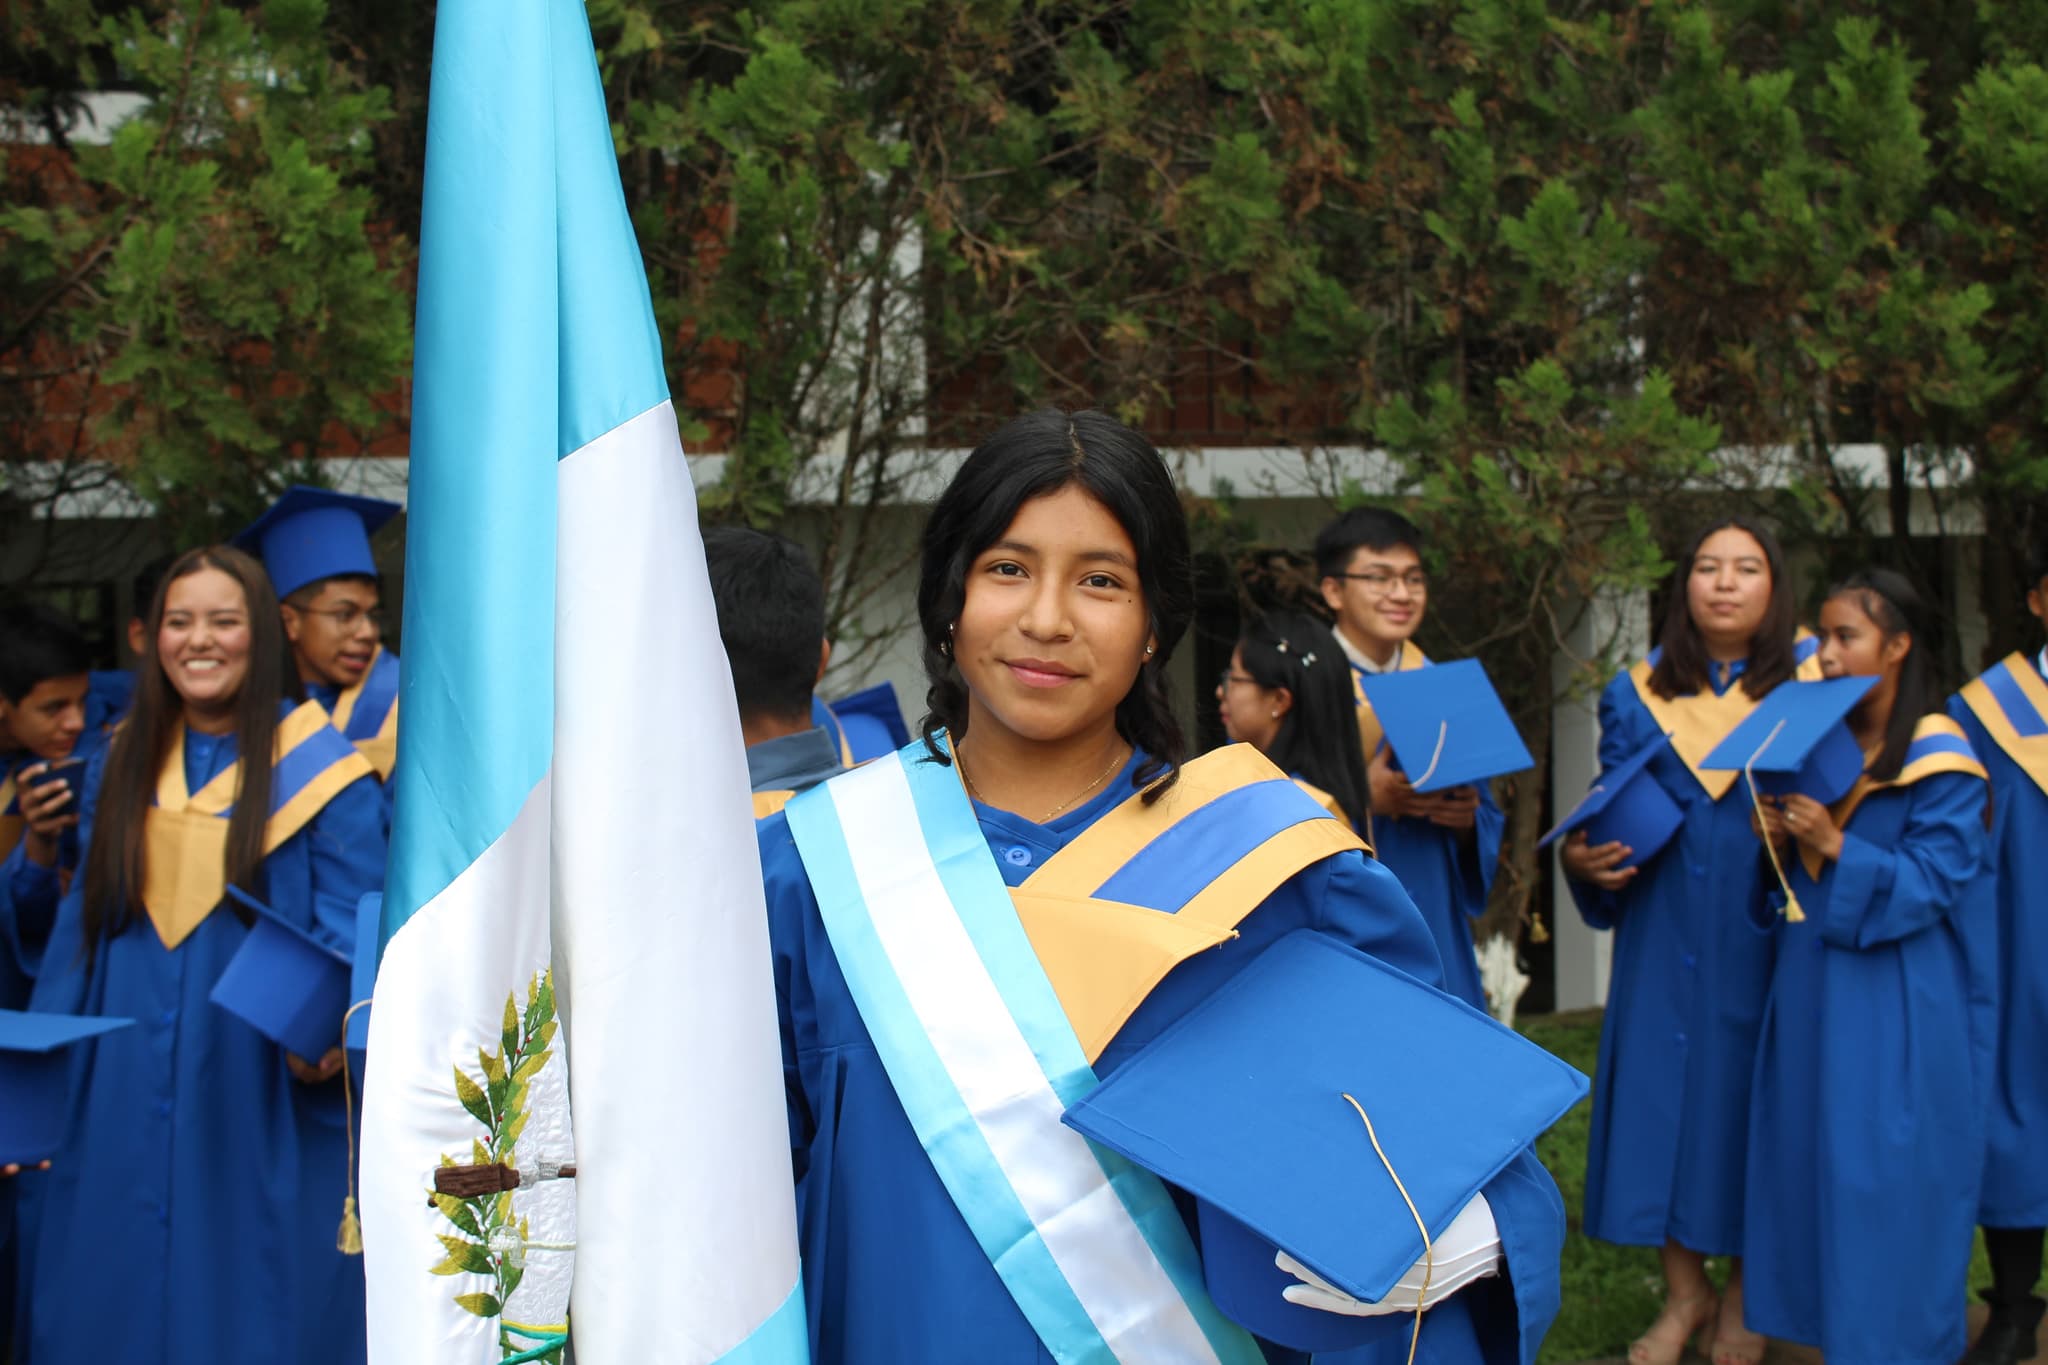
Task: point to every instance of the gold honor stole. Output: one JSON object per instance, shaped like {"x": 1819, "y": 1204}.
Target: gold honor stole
{"x": 1698, "y": 723}
{"x": 186, "y": 833}
{"x": 1146, "y": 887}
{"x": 1939, "y": 746}
{"x": 367, "y": 713}
{"x": 2011, "y": 702}
{"x": 769, "y": 802}
{"x": 1370, "y": 732}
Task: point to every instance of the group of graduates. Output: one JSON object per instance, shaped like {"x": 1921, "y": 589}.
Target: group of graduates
{"x": 1093, "y": 1049}
{"x": 189, "y": 1211}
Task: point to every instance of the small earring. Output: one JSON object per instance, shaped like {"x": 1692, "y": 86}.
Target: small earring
{"x": 1275, "y": 715}
{"x": 1148, "y": 650}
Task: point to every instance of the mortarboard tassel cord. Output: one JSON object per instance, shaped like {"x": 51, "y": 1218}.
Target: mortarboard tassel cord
{"x": 1793, "y": 914}
{"x": 1428, "y": 1247}
{"x": 1443, "y": 732}
{"x": 348, "y": 1239}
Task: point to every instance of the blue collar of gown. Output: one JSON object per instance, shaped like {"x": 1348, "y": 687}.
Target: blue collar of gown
{"x": 1021, "y": 847}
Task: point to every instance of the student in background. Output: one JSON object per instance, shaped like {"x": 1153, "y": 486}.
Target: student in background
{"x": 1288, "y": 693}
{"x": 2004, "y": 714}
{"x": 1665, "y": 1166}
{"x": 771, "y": 618}
{"x": 1866, "y": 1135}
{"x": 1444, "y": 846}
{"x": 208, "y": 1162}
{"x": 315, "y": 545}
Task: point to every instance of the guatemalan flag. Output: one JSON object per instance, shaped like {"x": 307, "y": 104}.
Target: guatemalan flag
{"x": 573, "y": 923}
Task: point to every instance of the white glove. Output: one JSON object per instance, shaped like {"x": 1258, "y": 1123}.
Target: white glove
{"x": 1469, "y": 1250}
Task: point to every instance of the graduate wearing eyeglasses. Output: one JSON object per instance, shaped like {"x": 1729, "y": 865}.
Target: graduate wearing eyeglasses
{"x": 315, "y": 545}
{"x": 1443, "y": 846}
{"x": 2005, "y": 715}
{"x": 1866, "y": 1136}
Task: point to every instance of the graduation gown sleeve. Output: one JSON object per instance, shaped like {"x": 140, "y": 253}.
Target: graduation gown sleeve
{"x": 1889, "y": 891}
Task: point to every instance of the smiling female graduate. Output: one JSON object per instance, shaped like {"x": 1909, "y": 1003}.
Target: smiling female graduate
{"x": 968, "y": 934}
{"x": 1866, "y": 1130}
{"x": 191, "y": 1214}
{"x": 1665, "y": 1166}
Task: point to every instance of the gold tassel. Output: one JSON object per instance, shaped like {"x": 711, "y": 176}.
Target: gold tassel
{"x": 349, "y": 1240}
{"x": 1428, "y": 1247}
{"x": 1793, "y": 914}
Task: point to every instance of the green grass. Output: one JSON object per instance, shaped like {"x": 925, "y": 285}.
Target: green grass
{"x": 1611, "y": 1293}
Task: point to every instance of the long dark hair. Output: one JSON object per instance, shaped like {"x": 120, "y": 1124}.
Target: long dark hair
{"x": 1896, "y": 607}
{"x": 114, "y": 860}
{"x": 1682, "y": 667}
{"x": 1318, "y": 737}
{"x": 1031, "y": 457}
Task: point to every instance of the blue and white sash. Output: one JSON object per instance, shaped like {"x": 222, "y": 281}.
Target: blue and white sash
{"x": 984, "y": 1062}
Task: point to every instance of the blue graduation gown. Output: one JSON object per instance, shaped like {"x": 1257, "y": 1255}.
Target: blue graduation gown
{"x": 891, "y": 1271}
{"x": 1686, "y": 998}
{"x": 1448, "y": 877}
{"x": 1866, "y": 1131}
{"x": 191, "y": 1215}
{"x": 2015, "y": 1191}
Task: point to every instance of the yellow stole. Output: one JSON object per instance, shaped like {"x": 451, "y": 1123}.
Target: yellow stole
{"x": 2030, "y": 752}
{"x": 185, "y": 834}
{"x": 381, "y": 748}
{"x": 1698, "y": 723}
{"x": 1104, "y": 957}
{"x": 12, "y": 825}
{"x": 1939, "y": 746}
{"x": 1370, "y": 732}
{"x": 768, "y": 803}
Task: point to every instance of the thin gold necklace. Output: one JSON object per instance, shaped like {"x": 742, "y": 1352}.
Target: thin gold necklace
{"x": 1098, "y": 780}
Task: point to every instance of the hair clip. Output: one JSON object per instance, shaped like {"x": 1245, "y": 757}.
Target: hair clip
{"x": 1308, "y": 660}
{"x": 1280, "y": 648}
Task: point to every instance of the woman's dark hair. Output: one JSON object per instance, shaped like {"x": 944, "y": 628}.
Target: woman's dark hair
{"x": 1896, "y": 607}
{"x": 114, "y": 859}
{"x": 1681, "y": 668}
{"x": 1318, "y": 737}
{"x": 1030, "y": 457}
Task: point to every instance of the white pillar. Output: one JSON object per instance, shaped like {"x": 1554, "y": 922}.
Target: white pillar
{"x": 1619, "y": 625}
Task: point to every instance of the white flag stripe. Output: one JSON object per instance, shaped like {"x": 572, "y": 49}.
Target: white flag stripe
{"x": 484, "y": 935}
{"x": 687, "y": 1229}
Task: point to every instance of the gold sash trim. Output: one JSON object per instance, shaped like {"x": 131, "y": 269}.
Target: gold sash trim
{"x": 2030, "y": 752}
{"x": 1697, "y": 724}
{"x": 381, "y": 748}
{"x": 1370, "y": 732}
{"x": 768, "y": 803}
{"x": 1103, "y": 957}
{"x": 1912, "y": 772}
{"x": 185, "y": 835}
{"x": 12, "y": 826}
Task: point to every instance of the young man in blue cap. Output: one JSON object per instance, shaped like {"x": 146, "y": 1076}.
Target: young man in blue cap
{"x": 2004, "y": 712}
{"x": 315, "y": 545}
{"x": 771, "y": 619}
{"x": 1443, "y": 846}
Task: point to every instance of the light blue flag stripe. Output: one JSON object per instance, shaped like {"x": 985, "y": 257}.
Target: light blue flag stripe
{"x": 611, "y": 348}
{"x": 785, "y": 1337}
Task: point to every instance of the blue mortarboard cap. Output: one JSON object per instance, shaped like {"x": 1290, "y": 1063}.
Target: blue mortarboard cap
{"x": 1795, "y": 740}
{"x": 35, "y": 1079}
{"x": 315, "y": 533}
{"x": 872, "y": 720}
{"x": 284, "y": 983}
{"x": 1627, "y": 806}
{"x": 1241, "y": 1104}
{"x": 362, "y": 977}
{"x": 1452, "y": 705}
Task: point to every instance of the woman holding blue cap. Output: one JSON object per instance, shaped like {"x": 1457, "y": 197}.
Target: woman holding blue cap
{"x": 1665, "y": 1165}
{"x": 969, "y": 933}
{"x": 1866, "y": 1132}
{"x": 1288, "y": 694}
{"x": 201, "y": 1160}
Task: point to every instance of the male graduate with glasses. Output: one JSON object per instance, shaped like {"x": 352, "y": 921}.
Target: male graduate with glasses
{"x": 315, "y": 545}
{"x": 1442, "y": 845}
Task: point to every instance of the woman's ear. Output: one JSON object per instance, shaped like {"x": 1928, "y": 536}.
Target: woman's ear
{"x": 1282, "y": 701}
{"x": 1897, "y": 647}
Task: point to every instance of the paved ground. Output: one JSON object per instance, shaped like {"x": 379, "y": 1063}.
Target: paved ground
{"x": 1784, "y": 1353}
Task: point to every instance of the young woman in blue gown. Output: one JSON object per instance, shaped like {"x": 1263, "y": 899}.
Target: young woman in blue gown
{"x": 1665, "y": 1163}
{"x": 1288, "y": 694}
{"x": 1872, "y": 1072}
{"x": 191, "y": 1215}
{"x": 1055, "y": 583}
